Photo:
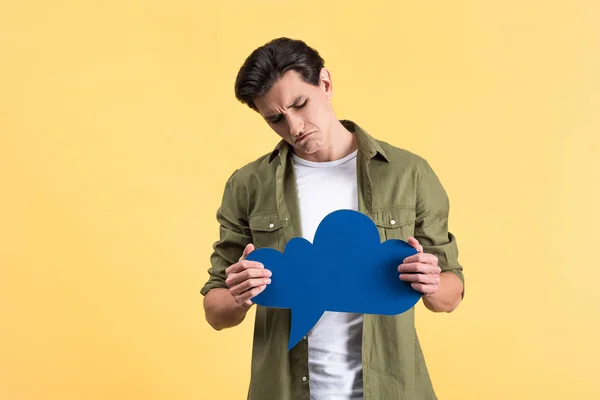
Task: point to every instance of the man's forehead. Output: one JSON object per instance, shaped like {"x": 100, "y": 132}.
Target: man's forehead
{"x": 281, "y": 96}
{"x": 276, "y": 103}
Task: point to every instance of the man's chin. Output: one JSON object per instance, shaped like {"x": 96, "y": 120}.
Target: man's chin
{"x": 302, "y": 151}
{"x": 310, "y": 147}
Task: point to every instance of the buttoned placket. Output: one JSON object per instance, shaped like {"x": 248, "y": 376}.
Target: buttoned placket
{"x": 365, "y": 206}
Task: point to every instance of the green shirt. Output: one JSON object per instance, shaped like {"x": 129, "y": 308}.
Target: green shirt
{"x": 400, "y": 192}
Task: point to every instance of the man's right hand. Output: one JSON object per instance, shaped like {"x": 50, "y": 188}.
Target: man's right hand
{"x": 246, "y": 279}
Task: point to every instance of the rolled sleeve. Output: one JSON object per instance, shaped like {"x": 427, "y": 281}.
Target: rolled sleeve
{"x": 431, "y": 227}
{"x": 234, "y": 234}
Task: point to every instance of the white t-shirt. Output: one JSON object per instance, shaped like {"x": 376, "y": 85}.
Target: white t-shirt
{"x": 335, "y": 342}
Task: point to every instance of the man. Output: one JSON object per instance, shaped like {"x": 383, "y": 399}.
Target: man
{"x": 321, "y": 165}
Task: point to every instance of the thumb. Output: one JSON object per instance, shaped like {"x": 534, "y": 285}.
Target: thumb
{"x": 249, "y": 249}
{"x": 415, "y": 243}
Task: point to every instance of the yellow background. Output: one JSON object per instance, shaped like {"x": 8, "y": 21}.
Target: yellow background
{"x": 119, "y": 127}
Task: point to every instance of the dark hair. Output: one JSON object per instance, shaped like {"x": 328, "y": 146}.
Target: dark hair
{"x": 268, "y": 63}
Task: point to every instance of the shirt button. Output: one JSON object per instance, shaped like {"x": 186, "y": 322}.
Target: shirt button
{"x": 393, "y": 222}
{"x": 304, "y": 379}
{"x": 271, "y": 225}
{"x": 286, "y": 218}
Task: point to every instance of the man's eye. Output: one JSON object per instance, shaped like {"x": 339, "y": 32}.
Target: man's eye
{"x": 301, "y": 105}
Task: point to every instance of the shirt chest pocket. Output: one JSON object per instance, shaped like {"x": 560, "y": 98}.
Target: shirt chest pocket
{"x": 267, "y": 231}
{"x": 395, "y": 223}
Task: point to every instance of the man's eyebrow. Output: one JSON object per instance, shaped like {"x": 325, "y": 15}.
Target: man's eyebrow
{"x": 276, "y": 116}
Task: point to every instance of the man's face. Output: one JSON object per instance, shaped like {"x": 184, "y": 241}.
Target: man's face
{"x": 299, "y": 112}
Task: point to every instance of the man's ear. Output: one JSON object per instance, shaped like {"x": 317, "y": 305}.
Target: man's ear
{"x": 325, "y": 82}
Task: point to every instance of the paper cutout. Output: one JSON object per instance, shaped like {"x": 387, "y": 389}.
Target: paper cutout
{"x": 347, "y": 269}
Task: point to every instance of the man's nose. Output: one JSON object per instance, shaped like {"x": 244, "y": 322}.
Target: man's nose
{"x": 296, "y": 125}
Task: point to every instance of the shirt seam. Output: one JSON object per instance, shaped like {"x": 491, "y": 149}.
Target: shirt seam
{"x": 421, "y": 178}
{"x": 241, "y": 193}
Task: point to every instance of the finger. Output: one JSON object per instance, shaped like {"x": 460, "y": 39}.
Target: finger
{"x": 420, "y": 278}
{"x": 415, "y": 243}
{"x": 425, "y": 258}
{"x": 245, "y": 297}
{"x": 243, "y": 265}
{"x": 235, "y": 279}
{"x": 248, "y": 284}
{"x": 425, "y": 289}
{"x": 249, "y": 249}
{"x": 420, "y": 268}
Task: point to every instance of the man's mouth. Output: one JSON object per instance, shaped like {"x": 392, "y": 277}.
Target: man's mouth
{"x": 304, "y": 136}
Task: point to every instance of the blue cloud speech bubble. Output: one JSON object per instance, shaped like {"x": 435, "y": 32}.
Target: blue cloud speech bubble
{"x": 347, "y": 269}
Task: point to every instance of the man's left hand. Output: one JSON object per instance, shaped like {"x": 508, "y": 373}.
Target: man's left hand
{"x": 420, "y": 270}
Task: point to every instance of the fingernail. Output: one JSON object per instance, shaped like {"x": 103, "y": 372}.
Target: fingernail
{"x": 268, "y": 281}
{"x": 269, "y": 273}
